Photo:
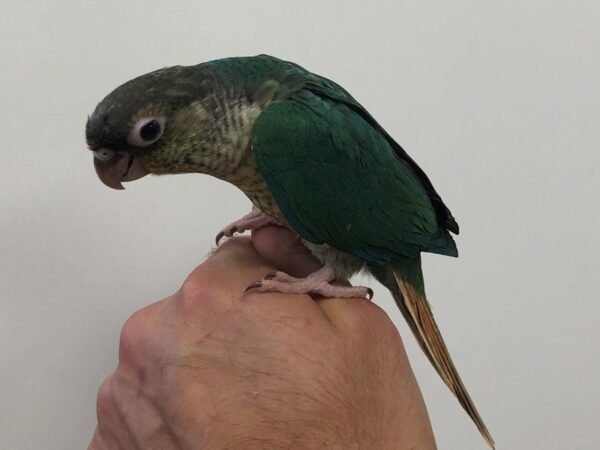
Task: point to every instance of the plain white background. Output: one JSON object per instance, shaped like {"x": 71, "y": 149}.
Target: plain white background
{"x": 498, "y": 102}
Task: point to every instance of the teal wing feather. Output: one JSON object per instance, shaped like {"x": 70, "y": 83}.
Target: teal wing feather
{"x": 326, "y": 88}
{"x": 338, "y": 180}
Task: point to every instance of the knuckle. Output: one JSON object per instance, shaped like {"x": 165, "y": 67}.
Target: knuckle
{"x": 99, "y": 442}
{"x": 199, "y": 287}
{"x": 210, "y": 283}
{"x": 105, "y": 399}
{"x": 133, "y": 334}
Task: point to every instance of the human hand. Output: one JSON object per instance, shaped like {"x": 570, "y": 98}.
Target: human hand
{"x": 211, "y": 368}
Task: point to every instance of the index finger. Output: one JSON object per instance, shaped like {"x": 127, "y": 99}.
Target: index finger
{"x": 219, "y": 284}
{"x": 221, "y": 279}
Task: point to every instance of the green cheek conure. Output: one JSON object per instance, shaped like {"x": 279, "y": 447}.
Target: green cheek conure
{"x": 309, "y": 157}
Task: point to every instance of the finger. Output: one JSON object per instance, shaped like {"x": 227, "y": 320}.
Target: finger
{"x": 222, "y": 278}
{"x": 284, "y": 249}
{"x": 111, "y": 431}
{"x": 218, "y": 286}
{"x": 240, "y": 255}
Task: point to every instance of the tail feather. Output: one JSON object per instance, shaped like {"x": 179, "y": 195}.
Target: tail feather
{"x": 405, "y": 281}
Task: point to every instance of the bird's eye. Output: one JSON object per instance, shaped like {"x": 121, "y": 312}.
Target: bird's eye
{"x": 103, "y": 154}
{"x": 146, "y": 131}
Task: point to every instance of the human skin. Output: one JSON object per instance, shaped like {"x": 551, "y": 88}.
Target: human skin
{"x": 213, "y": 368}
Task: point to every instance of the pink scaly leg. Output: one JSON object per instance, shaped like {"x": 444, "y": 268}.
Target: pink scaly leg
{"x": 253, "y": 221}
{"x": 318, "y": 282}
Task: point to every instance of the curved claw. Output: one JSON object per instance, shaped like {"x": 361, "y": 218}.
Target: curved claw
{"x": 369, "y": 294}
{"x": 252, "y": 286}
{"x": 222, "y": 234}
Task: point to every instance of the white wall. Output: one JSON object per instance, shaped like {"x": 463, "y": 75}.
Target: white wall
{"x": 499, "y": 103}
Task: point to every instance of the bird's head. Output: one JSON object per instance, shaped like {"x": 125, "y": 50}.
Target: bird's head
{"x": 148, "y": 125}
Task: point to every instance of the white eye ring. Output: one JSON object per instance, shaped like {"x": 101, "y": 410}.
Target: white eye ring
{"x": 103, "y": 154}
{"x": 146, "y": 131}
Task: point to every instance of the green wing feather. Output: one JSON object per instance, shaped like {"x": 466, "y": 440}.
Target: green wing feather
{"x": 338, "y": 180}
{"x": 326, "y": 88}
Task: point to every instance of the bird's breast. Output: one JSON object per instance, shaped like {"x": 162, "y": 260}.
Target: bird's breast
{"x": 247, "y": 178}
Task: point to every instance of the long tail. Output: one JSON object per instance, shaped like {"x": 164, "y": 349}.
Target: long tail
{"x": 405, "y": 281}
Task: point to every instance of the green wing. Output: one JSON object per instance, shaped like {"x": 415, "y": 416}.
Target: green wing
{"x": 338, "y": 180}
{"x": 328, "y": 89}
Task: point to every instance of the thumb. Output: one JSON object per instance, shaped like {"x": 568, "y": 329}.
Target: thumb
{"x": 284, "y": 249}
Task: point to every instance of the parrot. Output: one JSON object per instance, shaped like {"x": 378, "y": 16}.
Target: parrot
{"x": 309, "y": 157}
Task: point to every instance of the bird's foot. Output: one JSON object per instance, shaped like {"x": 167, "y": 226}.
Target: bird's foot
{"x": 318, "y": 283}
{"x": 253, "y": 221}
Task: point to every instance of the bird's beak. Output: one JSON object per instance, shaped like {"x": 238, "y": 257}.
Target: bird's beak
{"x": 118, "y": 168}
